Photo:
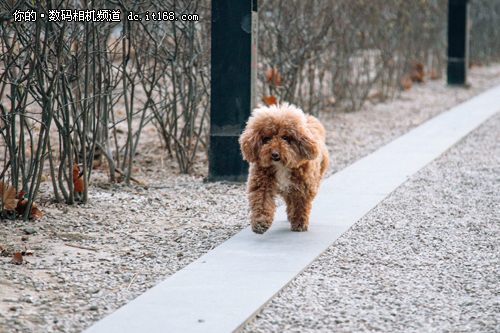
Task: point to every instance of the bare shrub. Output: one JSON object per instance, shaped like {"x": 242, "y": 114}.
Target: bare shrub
{"x": 172, "y": 61}
{"x": 32, "y": 62}
{"x": 80, "y": 93}
{"x": 344, "y": 49}
{"x": 485, "y": 31}
{"x": 84, "y": 78}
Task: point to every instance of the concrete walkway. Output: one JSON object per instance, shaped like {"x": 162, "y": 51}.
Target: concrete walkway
{"x": 227, "y": 286}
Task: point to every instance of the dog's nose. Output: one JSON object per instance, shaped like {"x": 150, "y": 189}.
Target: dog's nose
{"x": 275, "y": 154}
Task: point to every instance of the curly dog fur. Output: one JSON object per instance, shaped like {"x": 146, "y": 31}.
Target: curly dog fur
{"x": 288, "y": 156}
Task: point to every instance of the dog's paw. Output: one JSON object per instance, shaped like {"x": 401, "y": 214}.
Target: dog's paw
{"x": 300, "y": 227}
{"x": 260, "y": 227}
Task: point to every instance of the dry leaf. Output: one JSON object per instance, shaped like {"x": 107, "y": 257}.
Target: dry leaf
{"x": 9, "y": 199}
{"x": 417, "y": 74}
{"x": 76, "y": 172}
{"x": 434, "y": 75}
{"x": 35, "y": 212}
{"x": 406, "y": 83}
{"x": 77, "y": 181}
{"x": 273, "y": 77}
{"x": 18, "y": 258}
{"x": 270, "y": 100}
{"x": 416, "y": 77}
{"x": 22, "y": 202}
{"x": 374, "y": 95}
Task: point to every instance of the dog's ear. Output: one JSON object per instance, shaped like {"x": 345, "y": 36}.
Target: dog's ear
{"x": 307, "y": 145}
{"x": 250, "y": 145}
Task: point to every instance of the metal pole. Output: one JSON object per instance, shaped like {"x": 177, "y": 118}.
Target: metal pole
{"x": 231, "y": 86}
{"x": 458, "y": 41}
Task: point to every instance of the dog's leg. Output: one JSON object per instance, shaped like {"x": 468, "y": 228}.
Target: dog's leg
{"x": 263, "y": 207}
{"x": 290, "y": 207}
{"x": 298, "y": 208}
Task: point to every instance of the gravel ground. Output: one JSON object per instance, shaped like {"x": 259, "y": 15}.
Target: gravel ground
{"x": 131, "y": 238}
{"x": 426, "y": 259}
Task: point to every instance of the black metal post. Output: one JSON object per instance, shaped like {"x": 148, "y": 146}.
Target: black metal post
{"x": 231, "y": 86}
{"x": 458, "y": 41}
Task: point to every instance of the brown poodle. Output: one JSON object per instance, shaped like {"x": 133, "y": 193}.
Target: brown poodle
{"x": 287, "y": 154}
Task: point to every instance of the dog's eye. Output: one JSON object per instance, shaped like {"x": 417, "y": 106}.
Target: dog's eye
{"x": 266, "y": 140}
{"x": 285, "y": 138}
